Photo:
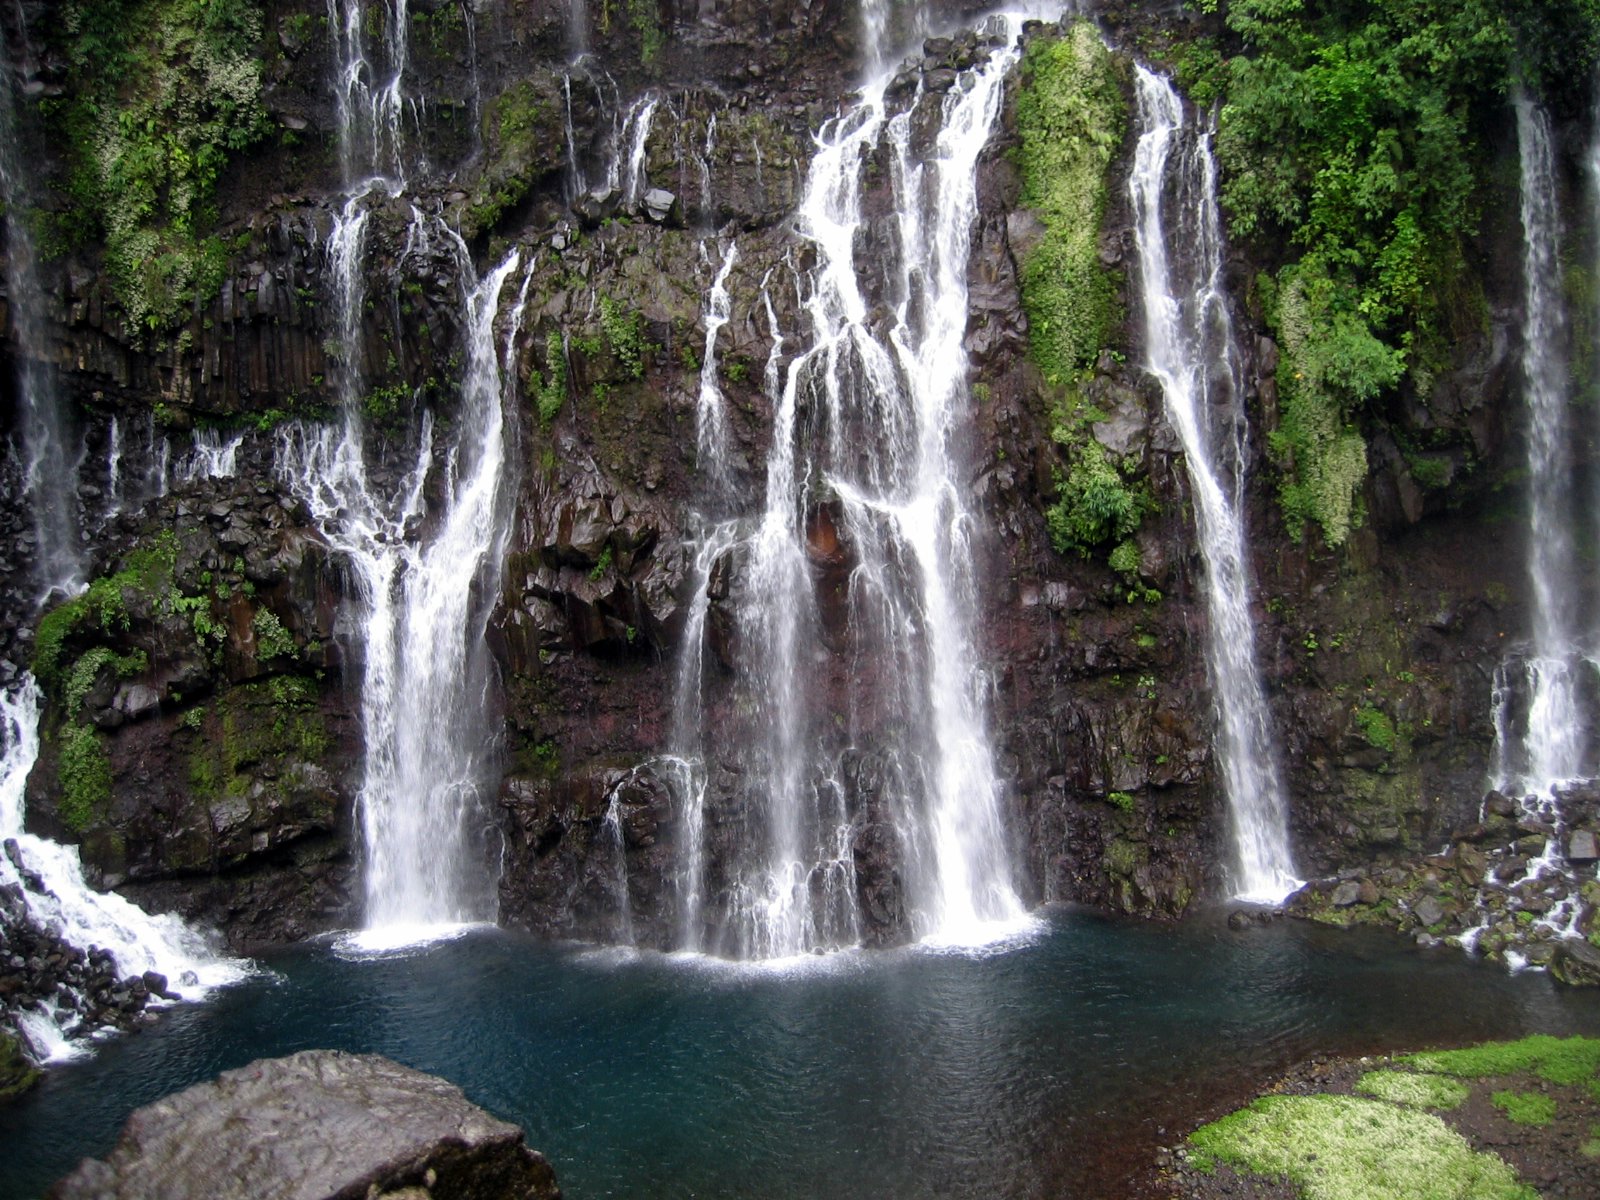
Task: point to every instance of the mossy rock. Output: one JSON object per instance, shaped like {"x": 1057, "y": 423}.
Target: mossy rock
{"x": 17, "y": 1074}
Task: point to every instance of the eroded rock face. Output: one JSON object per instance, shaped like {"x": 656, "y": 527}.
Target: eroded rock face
{"x": 235, "y": 767}
{"x": 316, "y": 1125}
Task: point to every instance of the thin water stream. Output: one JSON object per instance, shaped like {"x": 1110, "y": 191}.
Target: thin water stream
{"x": 1190, "y": 350}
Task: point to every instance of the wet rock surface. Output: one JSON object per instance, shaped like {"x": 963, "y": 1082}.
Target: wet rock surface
{"x": 317, "y": 1125}
{"x": 1506, "y": 886}
{"x": 1099, "y": 701}
{"x": 40, "y": 971}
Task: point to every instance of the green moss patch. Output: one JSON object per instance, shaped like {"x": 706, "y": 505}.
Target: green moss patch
{"x": 17, "y": 1074}
{"x": 1349, "y": 1148}
{"x": 1564, "y": 1061}
{"x": 256, "y": 730}
{"x": 1525, "y": 1108}
{"x": 1412, "y": 1090}
{"x": 1070, "y": 116}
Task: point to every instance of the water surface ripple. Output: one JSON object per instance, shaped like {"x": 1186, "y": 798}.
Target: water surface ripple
{"x": 1050, "y": 1067}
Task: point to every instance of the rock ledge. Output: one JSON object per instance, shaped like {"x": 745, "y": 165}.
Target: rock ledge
{"x": 318, "y": 1125}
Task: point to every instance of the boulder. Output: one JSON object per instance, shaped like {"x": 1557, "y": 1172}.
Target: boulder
{"x": 1428, "y": 911}
{"x": 318, "y": 1124}
{"x": 1576, "y": 963}
{"x": 1346, "y": 894}
{"x": 1581, "y": 847}
{"x": 659, "y": 204}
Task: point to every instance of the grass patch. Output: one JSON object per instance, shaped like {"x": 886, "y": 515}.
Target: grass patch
{"x": 1563, "y": 1061}
{"x": 1414, "y": 1091}
{"x": 1525, "y": 1108}
{"x": 1348, "y": 1148}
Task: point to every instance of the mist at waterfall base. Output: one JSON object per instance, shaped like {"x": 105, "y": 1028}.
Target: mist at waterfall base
{"x": 1053, "y": 1065}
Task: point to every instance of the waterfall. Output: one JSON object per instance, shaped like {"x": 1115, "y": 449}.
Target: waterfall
{"x": 639, "y": 119}
{"x": 686, "y": 766}
{"x": 49, "y": 880}
{"x": 50, "y": 460}
{"x": 866, "y": 465}
{"x": 1543, "y": 743}
{"x": 711, "y": 419}
{"x": 1190, "y": 350}
{"x": 210, "y": 457}
{"x": 423, "y": 551}
{"x": 425, "y": 685}
{"x": 368, "y": 93}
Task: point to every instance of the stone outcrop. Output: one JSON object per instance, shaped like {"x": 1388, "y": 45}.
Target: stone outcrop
{"x": 318, "y": 1125}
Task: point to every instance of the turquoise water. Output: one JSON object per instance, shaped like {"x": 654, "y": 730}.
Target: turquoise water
{"x": 1049, "y": 1067}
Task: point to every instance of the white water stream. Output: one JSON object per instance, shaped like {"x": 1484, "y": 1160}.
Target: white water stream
{"x": 60, "y": 900}
{"x": 424, "y": 549}
{"x": 50, "y": 460}
{"x": 424, "y": 605}
{"x": 1189, "y": 348}
{"x": 866, "y": 460}
{"x": 1542, "y": 726}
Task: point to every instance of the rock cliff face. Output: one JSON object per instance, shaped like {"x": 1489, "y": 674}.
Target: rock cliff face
{"x": 202, "y": 740}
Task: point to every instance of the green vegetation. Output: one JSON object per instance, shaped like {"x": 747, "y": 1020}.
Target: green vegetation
{"x": 17, "y": 1074}
{"x": 646, "y": 22}
{"x": 102, "y": 608}
{"x": 550, "y": 389}
{"x": 624, "y": 330}
{"x": 272, "y": 639}
{"x": 1525, "y": 1108}
{"x": 521, "y": 126}
{"x": 85, "y": 775}
{"x": 162, "y": 93}
{"x": 1377, "y": 728}
{"x": 1412, "y": 1090}
{"x": 1563, "y": 1061}
{"x": 1070, "y": 120}
{"x": 1120, "y": 800}
{"x": 1095, "y": 505}
{"x": 383, "y": 404}
{"x": 1348, "y": 1148}
{"x": 1349, "y": 134}
{"x": 256, "y": 729}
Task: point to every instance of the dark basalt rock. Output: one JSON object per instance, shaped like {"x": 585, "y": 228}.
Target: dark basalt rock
{"x": 318, "y": 1124}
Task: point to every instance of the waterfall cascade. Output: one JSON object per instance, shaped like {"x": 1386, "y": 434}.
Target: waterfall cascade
{"x": 866, "y": 466}
{"x": 50, "y": 461}
{"x": 1542, "y": 724}
{"x": 48, "y": 880}
{"x": 1539, "y": 716}
{"x": 1190, "y": 350}
{"x": 42, "y": 884}
{"x": 422, "y": 596}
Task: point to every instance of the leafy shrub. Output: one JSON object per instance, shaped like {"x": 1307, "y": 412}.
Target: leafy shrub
{"x": 163, "y": 93}
{"x": 1095, "y": 505}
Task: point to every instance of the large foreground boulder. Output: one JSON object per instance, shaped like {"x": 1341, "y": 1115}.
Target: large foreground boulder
{"x": 318, "y": 1125}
